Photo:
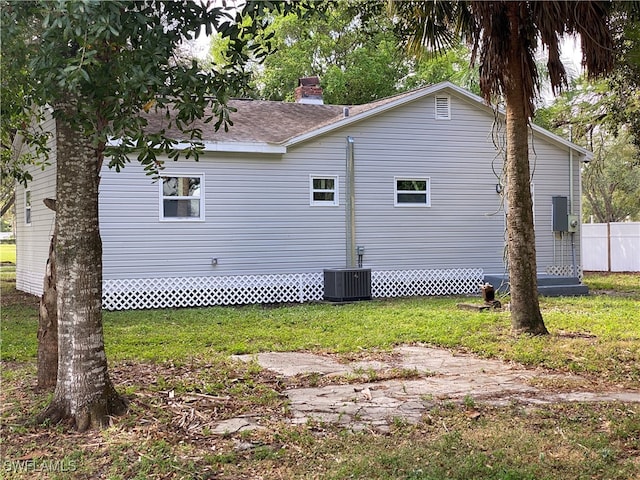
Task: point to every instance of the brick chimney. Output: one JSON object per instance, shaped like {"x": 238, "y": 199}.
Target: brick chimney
{"x": 309, "y": 91}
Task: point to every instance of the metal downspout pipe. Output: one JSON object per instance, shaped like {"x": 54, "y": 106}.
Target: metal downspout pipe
{"x": 350, "y": 210}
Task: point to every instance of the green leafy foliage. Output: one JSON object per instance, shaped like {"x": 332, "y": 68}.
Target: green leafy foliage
{"x": 16, "y": 117}
{"x": 340, "y": 49}
{"x": 611, "y": 181}
{"x": 604, "y": 116}
{"x": 111, "y": 62}
{"x": 355, "y": 50}
{"x": 625, "y": 81}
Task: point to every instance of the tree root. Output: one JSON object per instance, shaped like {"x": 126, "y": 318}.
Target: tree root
{"x": 94, "y": 415}
{"x": 534, "y": 331}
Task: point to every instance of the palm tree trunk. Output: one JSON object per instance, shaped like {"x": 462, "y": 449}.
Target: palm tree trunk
{"x": 84, "y": 394}
{"x": 521, "y": 242}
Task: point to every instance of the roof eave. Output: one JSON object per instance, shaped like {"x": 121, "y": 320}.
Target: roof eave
{"x": 242, "y": 147}
{"x": 588, "y": 155}
{"x": 229, "y": 147}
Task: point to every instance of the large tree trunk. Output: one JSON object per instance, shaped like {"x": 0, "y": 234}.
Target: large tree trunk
{"x": 521, "y": 246}
{"x": 48, "y": 320}
{"x": 84, "y": 394}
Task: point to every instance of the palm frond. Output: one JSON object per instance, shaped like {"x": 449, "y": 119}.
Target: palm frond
{"x": 430, "y": 26}
{"x": 591, "y": 20}
{"x": 435, "y": 25}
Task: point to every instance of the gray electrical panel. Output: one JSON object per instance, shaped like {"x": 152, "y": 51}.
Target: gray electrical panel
{"x": 560, "y": 214}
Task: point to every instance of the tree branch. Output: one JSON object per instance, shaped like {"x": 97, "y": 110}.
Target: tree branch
{"x": 8, "y": 205}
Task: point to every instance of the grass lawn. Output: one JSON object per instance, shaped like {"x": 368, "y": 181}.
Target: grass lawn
{"x": 7, "y": 253}
{"x": 186, "y": 351}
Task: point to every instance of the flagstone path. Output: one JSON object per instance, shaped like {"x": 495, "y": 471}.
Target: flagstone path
{"x": 432, "y": 375}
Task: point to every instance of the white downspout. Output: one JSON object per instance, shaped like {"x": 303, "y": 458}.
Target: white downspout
{"x": 571, "y": 205}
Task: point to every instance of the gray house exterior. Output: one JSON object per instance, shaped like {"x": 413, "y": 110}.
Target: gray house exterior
{"x": 409, "y": 187}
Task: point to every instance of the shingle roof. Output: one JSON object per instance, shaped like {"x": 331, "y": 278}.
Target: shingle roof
{"x": 260, "y": 121}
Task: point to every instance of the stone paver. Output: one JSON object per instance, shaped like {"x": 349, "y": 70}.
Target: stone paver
{"x": 235, "y": 425}
{"x": 290, "y": 364}
{"x": 444, "y": 376}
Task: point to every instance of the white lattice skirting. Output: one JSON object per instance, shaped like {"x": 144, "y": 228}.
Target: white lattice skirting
{"x": 564, "y": 271}
{"x": 144, "y": 293}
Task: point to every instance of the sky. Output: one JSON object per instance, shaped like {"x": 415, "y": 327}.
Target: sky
{"x": 571, "y": 57}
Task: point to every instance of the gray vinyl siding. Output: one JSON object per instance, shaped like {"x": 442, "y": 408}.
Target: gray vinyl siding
{"x": 32, "y": 241}
{"x": 258, "y": 219}
{"x": 458, "y": 230}
{"x": 550, "y": 176}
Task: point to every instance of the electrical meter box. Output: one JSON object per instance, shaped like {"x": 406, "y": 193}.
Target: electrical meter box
{"x": 560, "y": 214}
{"x": 574, "y": 223}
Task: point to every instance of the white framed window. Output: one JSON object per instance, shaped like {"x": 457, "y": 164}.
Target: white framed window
{"x": 412, "y": 192}
{"x": 27, "y": 207}
{"x": 182, "y": 197}
{"x": 323, "y": 190}
{"x": 443, "y": 107}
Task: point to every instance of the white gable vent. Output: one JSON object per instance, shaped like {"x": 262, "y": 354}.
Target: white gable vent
{"x": 443, "y": 108}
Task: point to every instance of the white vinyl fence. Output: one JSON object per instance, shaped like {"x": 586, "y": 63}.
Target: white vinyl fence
{"x": 615, "y": 249}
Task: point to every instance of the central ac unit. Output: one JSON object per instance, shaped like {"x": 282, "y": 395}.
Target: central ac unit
{"x": 347, "y": 284}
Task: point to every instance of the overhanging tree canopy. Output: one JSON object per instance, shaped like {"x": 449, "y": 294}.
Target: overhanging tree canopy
{"x": 588, "y": 113}
{"x": 355, "y": 51}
